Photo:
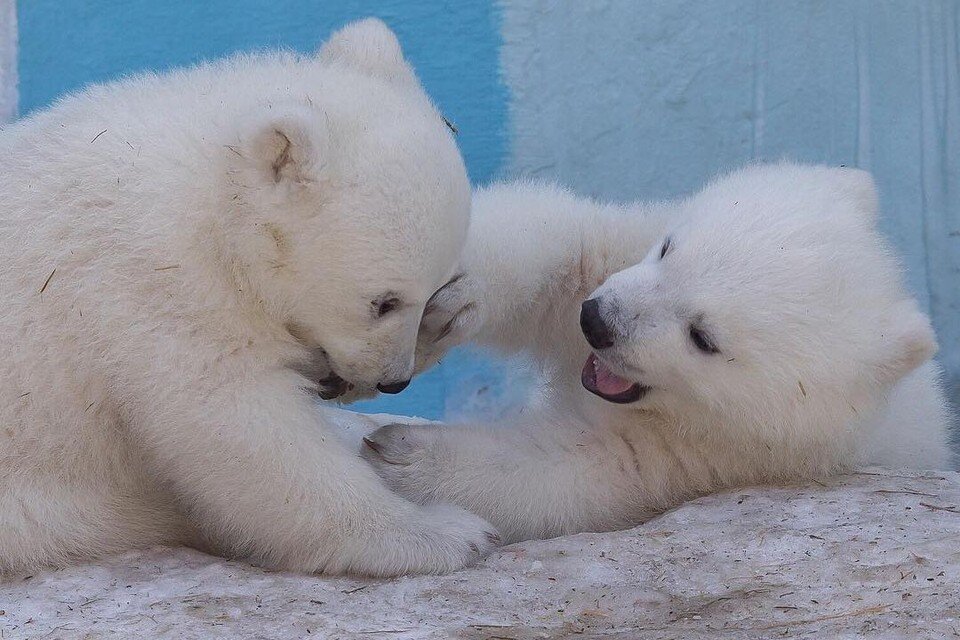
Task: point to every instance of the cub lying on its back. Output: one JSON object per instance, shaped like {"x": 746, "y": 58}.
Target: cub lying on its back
{"x": 186, "y": 260}
{"x": 762, "y": 334}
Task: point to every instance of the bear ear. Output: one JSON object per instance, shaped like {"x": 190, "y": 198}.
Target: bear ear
{"x": 288, "y": 147}
{"x": 370, "y": 46}
{"x": 858, "y": 189}
{"x": 911, "y": 341}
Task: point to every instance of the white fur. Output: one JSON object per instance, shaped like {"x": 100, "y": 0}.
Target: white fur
{"x": 824, "y": 359}
{"x": 184, "y": 255}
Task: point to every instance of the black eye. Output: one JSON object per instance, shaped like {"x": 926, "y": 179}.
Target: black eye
{"x": 702, "y": 340}
{"x": 665, "y": 248}
{"x": 386, "y": 305}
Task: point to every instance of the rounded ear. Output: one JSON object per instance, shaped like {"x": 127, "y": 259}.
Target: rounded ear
{"x": 287, "y": 146}
{"x": 369, "y": 46}
{"x": 911, "y": 341}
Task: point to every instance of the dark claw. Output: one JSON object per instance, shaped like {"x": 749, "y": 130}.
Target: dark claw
{"x": 377, "y": 448}
{"x": 373, "y": 445}
{"x": 447, "y": 328}
{"x": 429, "y": 306}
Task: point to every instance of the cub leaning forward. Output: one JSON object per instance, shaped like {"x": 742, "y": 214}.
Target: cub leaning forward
{"x": 758, "y": 331}
{"x": 184, "y": 257}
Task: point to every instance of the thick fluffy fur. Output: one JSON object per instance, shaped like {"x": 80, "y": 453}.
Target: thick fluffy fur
{"x": 823, "y": 361}
{"x": 184, "y": 257}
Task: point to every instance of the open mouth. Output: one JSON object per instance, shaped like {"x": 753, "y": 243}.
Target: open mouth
{"x": 599, "y": 380}
{"x": 316, "y": 363}
{"x": 333, "y": 386}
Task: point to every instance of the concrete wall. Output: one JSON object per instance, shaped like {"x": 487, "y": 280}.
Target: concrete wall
{"x": 8, "y": 60}
{"x": 626, "y": 103}
{"x": 619, "y": 98}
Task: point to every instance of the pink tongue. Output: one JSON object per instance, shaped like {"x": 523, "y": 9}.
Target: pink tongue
{"x": 608, "y": 383}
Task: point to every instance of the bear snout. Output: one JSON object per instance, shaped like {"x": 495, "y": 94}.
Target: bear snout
{"x": 393, "y": 387}
{"x": 595, "y": 329}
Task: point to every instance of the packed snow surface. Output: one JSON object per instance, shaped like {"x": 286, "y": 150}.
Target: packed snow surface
{"x": 873, "y": 554}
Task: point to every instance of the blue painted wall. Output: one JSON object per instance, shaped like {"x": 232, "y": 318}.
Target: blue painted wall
{"x": 620, "y": 99}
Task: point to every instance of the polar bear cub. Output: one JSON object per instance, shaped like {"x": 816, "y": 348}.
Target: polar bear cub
{"x": 758, "y": 331}
{"x": 187, "y": 259}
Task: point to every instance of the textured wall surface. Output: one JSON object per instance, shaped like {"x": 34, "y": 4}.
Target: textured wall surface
{"x": 8, "y": 60}
{"x": 620, "y": 99}
{"x": 626, "y": 103}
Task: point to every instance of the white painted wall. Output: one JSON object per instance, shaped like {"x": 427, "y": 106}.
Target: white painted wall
{"x": 8, "y": 60}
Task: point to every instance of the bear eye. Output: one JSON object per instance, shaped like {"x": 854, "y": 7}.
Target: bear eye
{"x": 665, "y": 247}
{"x": 384, "y": 306}
{"x": 702, "y": 340}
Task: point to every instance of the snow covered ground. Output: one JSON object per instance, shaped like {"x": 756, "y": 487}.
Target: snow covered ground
{"x": 875, "y": 554}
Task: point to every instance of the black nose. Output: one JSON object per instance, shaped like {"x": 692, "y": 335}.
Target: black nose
{"x": 393, "y": 387}
{"x": 594, "y": 328}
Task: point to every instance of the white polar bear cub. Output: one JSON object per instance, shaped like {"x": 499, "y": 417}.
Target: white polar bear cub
{"x": 184, "y": 257}
{"x": 762, "y": 334}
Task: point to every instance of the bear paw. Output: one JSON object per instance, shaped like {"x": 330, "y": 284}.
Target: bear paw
{"x": 409, "y": 459}
{"x": 452, "y": 316}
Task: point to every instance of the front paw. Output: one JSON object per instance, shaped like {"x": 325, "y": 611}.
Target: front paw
{"x": 454, "y": 315}
{"x": 409, "y": 458}
{"x": 454, "y": 538}
{"x": 433, "y": 539}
